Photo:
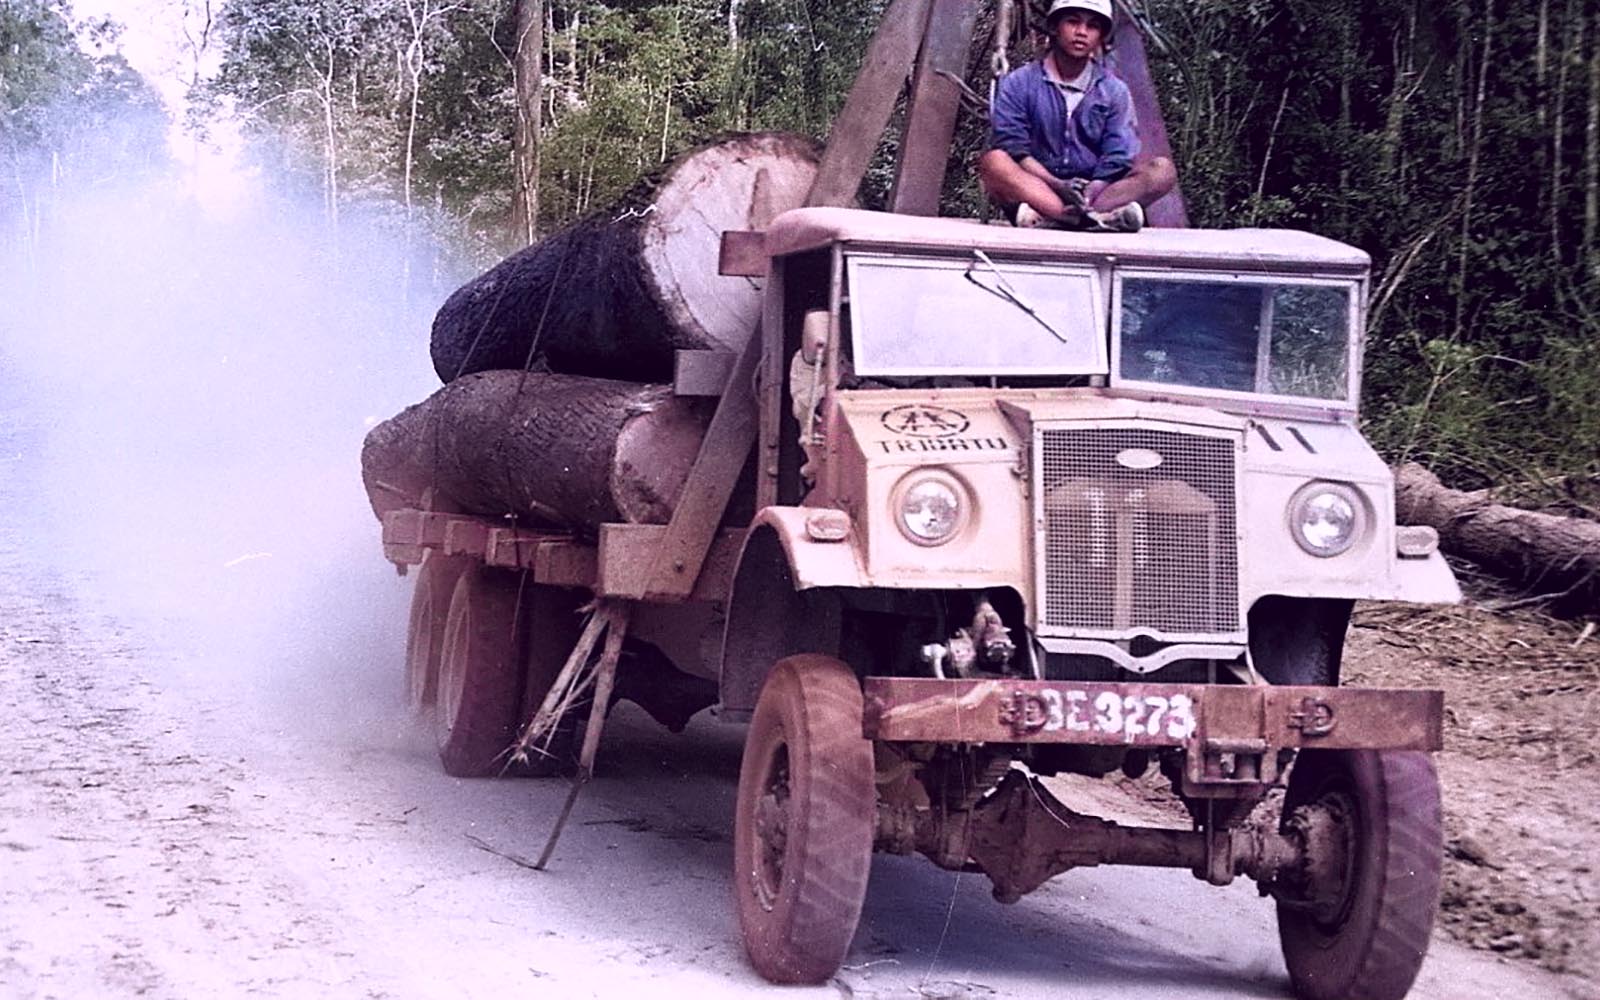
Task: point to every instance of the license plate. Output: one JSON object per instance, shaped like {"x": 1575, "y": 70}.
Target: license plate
{"x": 1131, "y": 718}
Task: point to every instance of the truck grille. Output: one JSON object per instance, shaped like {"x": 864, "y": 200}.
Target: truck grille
{"x": 1138, "y": 548}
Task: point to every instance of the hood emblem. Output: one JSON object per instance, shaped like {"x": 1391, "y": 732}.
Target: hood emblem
{"x": 925, "y": 420}
{"x": 1139, "y": 458}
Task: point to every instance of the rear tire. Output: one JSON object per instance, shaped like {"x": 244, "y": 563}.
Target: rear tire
{"x": 480, "y": 674}
{"x": 804, "y": 823}
{"x": 430, "y": 606}
{"x": 1368, "y": 942}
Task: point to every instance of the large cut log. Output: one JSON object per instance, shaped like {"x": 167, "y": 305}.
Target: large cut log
{"x": 613, "y": 295}
{"x": 559, "y": 449}
{"x": 1545, "y": 553}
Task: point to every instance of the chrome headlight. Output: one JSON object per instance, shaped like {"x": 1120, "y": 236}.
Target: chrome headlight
{"x": 931, "y": 507}
{"x": 1326, "y": 519}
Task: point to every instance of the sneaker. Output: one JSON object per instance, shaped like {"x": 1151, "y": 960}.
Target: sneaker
{"x": 1029, "y": 218}
{"x": 1127, "y": 219}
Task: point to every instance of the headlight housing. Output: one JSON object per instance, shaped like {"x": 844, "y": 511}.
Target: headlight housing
{"x": 1327, "y": 519}
{"x": 930, "y": 507}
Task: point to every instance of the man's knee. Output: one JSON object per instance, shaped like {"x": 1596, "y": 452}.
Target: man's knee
{"x": 997, "y": 176}
{"x": 994, "y": 164}
{"x": 1161, "y": 171}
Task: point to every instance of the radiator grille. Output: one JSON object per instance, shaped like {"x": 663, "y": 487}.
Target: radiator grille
{"x": 1139, "y": 548}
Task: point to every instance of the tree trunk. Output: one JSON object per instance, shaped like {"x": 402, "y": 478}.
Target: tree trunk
{"x": 1545, "y": 553}
{"x": 1591, "y": 159}
{"x": 1541, "y": 68}
{"x": 615, "y": 294}
{"x": 1570, "y": 54}
{"x": 527, "y": 80}
{"x": 1347, "y": 137}
{"x": 330, "y": 144}
{"x": 1474, "y": 154}
{"x": 558, "y": 449}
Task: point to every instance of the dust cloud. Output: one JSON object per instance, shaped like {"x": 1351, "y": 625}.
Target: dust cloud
{"x": 189, "y": 398}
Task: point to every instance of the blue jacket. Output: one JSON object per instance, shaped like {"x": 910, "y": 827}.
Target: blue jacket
{"x": 1030, "y": 119}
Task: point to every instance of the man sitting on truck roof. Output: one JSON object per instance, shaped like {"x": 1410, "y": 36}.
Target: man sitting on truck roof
{"x": 1065, "y": 146}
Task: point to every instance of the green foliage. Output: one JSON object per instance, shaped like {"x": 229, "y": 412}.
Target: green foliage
{"x": 1452, "y": 141}
{"x": 651, "y": 90}
{"x": 72, "y": 113}
{"x": 1364, "y": 123}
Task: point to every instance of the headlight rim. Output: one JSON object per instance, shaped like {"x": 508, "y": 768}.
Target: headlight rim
{"x": 947, "y": 478}
{"x": 1360, "y": 506}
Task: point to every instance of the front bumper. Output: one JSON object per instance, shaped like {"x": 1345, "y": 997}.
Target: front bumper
{"x": 1233, "y": 734}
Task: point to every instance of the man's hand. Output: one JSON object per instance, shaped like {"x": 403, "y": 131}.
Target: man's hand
{"x": 1075, "y": 192}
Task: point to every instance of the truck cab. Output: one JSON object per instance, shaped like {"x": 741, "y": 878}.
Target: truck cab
{"x": 1147, "y": 444}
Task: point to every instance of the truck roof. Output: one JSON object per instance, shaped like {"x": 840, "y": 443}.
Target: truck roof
{"x": 1255, "y": 249}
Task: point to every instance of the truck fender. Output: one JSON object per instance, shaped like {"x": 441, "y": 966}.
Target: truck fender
{"x": 1424, "y": 581}
{"x": 782, "y": 602}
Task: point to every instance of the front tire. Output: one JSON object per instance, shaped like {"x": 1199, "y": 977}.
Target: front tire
{"x": 804, "y": 823}
{"x": 1379, "y": 845}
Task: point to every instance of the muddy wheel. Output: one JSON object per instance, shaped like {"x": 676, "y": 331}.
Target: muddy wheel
{"x": 1358, "y": 927}
{"x": 553, "y": 627}
{"x": 480, "y": 674}
{"x": 430, "y": 605}
{"x": 804, "y": 821}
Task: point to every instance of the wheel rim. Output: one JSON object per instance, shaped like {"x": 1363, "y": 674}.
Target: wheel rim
{"x": 451, "y": 675}
{"x": 771, "y": 823}
{"x": 423, "y": 653}
{"x": 1333, "y": 886}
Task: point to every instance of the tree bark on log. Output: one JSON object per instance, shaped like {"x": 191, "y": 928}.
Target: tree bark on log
{"x": 615, "y": 294}
{"x": 558, "y": 449}
{"x": 1545, "y": 553}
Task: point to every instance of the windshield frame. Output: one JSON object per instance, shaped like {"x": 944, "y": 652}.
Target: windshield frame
{"x": 1354, "y": 339}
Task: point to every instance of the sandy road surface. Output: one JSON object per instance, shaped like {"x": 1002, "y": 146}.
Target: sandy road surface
{"x": 179, "y": 820}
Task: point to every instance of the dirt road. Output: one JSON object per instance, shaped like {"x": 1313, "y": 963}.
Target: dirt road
{"x": 208, "y": 788}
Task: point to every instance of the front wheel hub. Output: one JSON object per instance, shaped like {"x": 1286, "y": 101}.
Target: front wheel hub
{"x": 1323, "y": 884}
{"x": 772, "y": 830}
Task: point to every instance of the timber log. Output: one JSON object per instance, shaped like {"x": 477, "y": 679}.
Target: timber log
{"x": 615, "y": 294}
{"x": 1547, "y": 554}
{"x": 562, "y": 450}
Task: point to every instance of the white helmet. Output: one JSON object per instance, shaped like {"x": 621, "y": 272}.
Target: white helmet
{"x": 1101, "y": 7}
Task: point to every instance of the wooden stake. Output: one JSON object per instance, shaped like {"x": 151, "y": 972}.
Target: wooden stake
{"x": 550, "y": 712}
{"x": 615, "y": 620}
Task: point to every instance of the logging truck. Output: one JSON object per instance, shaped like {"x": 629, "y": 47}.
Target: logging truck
{"x": 977, "y": 506}
{"x": 1026, "y": 503}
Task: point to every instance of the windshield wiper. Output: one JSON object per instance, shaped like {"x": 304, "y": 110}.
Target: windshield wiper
{"x": 1005, "y": 290}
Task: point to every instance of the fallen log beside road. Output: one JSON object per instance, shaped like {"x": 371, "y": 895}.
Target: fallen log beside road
{"x": 615, "y": 294}
{"x": 562, "y": 450}
{"x": 1547, "y": 554}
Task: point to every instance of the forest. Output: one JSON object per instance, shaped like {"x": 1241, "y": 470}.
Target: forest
{"x": 1457, "y": 142}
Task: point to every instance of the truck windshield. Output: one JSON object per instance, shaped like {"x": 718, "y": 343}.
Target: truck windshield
{"x": 974, "y": 315}
{"x": 1271, "y": 337}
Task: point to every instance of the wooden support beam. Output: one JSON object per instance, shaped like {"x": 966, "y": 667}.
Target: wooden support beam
{"x": 931, "y": 113}
{"x": 701, "y": 373}
{"x": 687, "y": 542}
{"x": 627, "y": 551}
{"x": 859, "y": 127}
{"x": 1127, "y": 59}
